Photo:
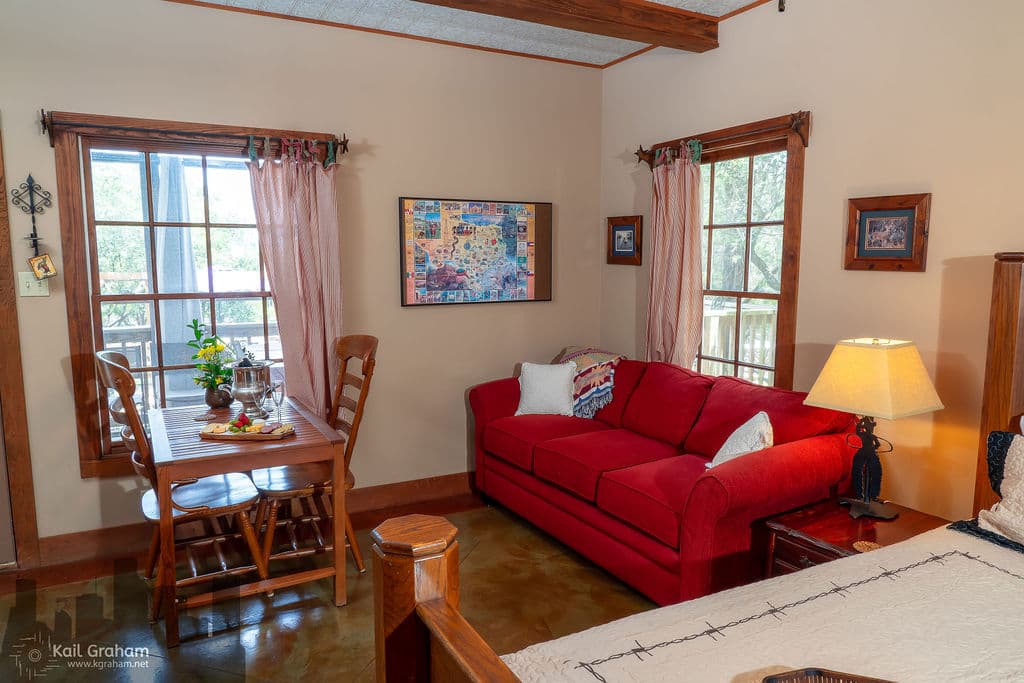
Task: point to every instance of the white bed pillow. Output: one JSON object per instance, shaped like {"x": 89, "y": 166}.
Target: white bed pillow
{"x": 546, "y": 389}
{"x": 753, "y": 435}
{"x": 1006, "y": 517}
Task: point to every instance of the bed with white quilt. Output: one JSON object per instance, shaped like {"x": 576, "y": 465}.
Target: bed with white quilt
{"x": 947, "y": 605}
{"x": 943, "y": 606}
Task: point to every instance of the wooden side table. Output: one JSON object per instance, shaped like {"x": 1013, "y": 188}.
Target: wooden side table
{"x": 824, "y": 532}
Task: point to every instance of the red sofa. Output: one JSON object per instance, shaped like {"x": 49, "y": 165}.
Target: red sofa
{"x": 629, "y": 489}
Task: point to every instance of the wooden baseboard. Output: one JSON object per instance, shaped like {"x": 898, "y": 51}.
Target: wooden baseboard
{"x": 109, "y": 542}
{"x": 403, "y": 493}
{"x": 101, "y": 552}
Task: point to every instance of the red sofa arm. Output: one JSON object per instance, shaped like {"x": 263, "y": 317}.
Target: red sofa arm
{"x": 492, "y": 400}
{"x": 717, "y": 521}
{"x": 761, "y": 484}
{"x": 488, "y": 402}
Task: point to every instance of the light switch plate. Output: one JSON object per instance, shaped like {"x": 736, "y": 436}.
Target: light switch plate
{"x": 28, "y": 285}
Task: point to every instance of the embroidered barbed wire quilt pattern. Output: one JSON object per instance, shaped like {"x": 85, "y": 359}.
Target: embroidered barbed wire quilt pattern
{"x": 944, "y": 606}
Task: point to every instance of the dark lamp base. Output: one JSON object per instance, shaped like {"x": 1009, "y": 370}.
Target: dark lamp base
{"x": 875, "y": 508}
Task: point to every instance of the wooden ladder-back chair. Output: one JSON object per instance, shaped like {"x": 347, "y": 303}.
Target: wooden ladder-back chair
{"x": 192, "y": 500}
{"x": 307, "y": 485}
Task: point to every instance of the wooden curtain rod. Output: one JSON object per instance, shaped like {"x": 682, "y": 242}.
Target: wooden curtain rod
{"x": 54, "y": 120}
{"x": 759, "y": 131}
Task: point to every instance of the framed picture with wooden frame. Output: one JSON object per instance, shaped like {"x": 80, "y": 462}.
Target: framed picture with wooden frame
{"x": 888, "y": 233}
{"x": 461, "y": 251}
{"x": 625, "y": 240}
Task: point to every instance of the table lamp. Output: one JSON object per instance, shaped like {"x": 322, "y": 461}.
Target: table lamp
{"x": 873, "y": 378}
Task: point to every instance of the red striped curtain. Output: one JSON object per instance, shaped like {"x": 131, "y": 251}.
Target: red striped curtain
{"x": 297, "y": 221}
{"x": 675, "y": 302}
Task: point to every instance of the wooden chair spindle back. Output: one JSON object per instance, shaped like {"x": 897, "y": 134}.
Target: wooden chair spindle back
{"x": 114, "y": 374}
{"x": 364, "y": 348}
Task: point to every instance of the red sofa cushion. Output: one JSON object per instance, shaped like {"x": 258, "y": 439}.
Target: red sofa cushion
{"x": 584, "y": 512}
{"x": 651, "y": 496}
{"x": 733, "y": 401}
{"x": 666, "y": 403}
{"x": 513, "y": 438}
{"x": 627, "y": 376}
{"x": 576, "y": 463}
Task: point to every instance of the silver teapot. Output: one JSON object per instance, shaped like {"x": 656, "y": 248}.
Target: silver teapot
{"x": 251, "y": 385}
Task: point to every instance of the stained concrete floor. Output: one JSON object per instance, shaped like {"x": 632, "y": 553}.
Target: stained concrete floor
{"x": 518, "y": 587}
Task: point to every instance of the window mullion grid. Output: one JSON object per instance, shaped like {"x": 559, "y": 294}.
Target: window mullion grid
{"x": 746, "y": 253}
{"x": 753, "y": 224}
{"x": 206, "y": 231}
{"x": 736, "y": 338}
{"x": 707, "y": 280}
{"x": 154, "y": 368}
{"x": 94, "y": 286}
{"x": 172, "y": 296}
{"x": 746, "y": 295}
{"x": 209, "y": 249}
{"x": 746, "y": 266}
{"x": 154, "y": 279}
{"x": 711, "y": 219}
{"x": 756, "y": 366}
{"x": 742, "y": 364}
{"x": 187, "y": 224}
{"x": 266, "y": 330}
{"x": 155, "y": 296}
{"x": 263, "y": 301}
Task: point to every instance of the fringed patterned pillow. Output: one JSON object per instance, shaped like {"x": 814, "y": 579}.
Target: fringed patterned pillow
{"x": 595, "y": 377}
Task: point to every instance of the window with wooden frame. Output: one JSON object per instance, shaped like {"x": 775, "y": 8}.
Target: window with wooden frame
{"x": 171, "y": 232}
{"x": 752, "y": 194}
{"x": 752, "y": 184}
{"x": 158, "y": 228}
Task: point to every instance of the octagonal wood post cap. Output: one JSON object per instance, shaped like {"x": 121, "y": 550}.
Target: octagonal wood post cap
{"x": 414, "y": 535}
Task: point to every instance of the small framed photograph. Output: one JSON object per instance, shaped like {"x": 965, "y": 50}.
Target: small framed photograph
{"x": 888, "y": 233}
{"x": 625, "y": 240}
{"x": 42, "y": 266}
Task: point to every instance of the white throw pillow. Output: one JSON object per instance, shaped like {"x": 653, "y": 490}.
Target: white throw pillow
{"x": 753, "y": 435}
{"x": 1006, "y": 517}
{"x": 546, "y": 389}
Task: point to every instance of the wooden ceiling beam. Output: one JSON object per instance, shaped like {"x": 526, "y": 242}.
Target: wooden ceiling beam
{"x": 637, "y": 20}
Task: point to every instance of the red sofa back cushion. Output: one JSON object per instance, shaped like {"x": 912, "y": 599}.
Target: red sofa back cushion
{"x": 627, "y": 376}
{"x": 733, "y": 401}
{"x": 666, "y": 403}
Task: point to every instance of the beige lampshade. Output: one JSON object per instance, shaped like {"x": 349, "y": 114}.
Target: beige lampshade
{"x": 875, "y": 377}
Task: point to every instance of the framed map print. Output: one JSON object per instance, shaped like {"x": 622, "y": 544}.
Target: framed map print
{"x": 457, "y": 251}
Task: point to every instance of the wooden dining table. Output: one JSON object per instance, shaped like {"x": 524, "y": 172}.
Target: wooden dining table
{"x": 179, "y": 454}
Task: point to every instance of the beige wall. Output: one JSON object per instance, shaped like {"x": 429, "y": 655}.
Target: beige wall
{"x": 426, "y": 120}
{"x": 907, "y": 96}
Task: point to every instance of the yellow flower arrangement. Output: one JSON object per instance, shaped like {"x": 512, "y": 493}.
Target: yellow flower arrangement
{"x": 214, "y": 363}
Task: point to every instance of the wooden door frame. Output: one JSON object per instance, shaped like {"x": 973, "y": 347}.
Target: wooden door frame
{"x": 12, "y": 393}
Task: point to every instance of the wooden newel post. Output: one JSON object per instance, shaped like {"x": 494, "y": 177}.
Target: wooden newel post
{"x": 415, "y": 560}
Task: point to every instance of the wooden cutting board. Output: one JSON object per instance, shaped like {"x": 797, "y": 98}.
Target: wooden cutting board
{"x": 245, "y": 436}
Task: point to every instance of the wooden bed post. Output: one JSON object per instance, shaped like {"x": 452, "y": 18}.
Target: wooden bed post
{"x": 415, "y": 560}
{"x": 420, "y": 635}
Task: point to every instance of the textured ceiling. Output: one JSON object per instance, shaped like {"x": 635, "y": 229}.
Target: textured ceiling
{"x": 470, "y": 28}
{"x": 714, "y": 8}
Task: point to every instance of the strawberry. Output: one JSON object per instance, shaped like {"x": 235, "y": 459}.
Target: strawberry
{"x": 242, "y": 420}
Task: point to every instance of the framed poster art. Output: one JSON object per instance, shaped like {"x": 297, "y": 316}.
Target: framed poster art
{"x": 888, "y": 233}
{"x": 458, "y": 251}
{"x": 625, "y": 240}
